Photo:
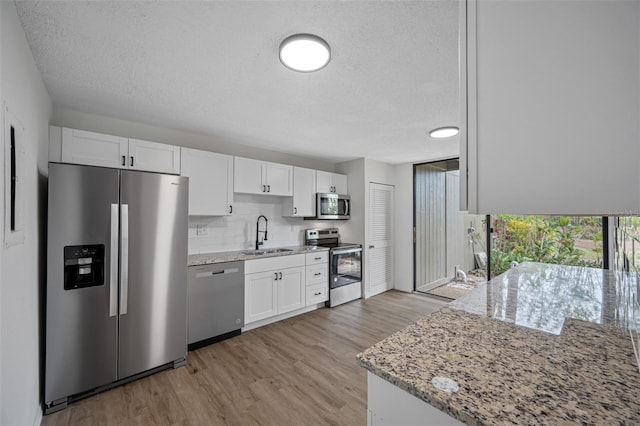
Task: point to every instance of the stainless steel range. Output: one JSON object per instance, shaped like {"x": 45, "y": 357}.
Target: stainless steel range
{"x": 345, "y": 265}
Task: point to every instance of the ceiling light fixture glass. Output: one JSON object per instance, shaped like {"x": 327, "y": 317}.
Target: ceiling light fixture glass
{"x": 304, "y": 53}
{"x": 443, "y": 132}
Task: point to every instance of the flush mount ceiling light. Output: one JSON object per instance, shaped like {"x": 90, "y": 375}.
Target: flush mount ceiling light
{"x": 304, "y": 53}
{"x": 443, "y": 132}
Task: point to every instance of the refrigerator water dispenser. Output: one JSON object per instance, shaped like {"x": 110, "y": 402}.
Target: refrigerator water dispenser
{"x": 83, "y": 266}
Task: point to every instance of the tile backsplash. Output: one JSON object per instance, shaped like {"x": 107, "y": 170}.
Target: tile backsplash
{"x": 238, "y": 231}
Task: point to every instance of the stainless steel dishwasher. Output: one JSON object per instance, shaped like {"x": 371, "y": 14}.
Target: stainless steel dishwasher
{"x": 216, "y": 302}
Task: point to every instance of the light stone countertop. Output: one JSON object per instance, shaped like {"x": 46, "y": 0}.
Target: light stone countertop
{"x": 540, "y": 344}
{"x": 232, "y": 256}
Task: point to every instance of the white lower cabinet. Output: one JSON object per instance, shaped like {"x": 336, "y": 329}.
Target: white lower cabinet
{"x": 273, "y": 286}
{"x": 317, "y": 279}
{"x": 261, "y": 296}
{"x": 317, "y": 293}
{"x": 290, "y": 289}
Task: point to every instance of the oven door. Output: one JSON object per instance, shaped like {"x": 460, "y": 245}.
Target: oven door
{"x": 346, "y": 266}
{"x": 332, "y": 206}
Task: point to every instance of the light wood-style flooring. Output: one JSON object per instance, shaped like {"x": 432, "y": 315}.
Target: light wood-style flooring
{"x": 301, "y": 371}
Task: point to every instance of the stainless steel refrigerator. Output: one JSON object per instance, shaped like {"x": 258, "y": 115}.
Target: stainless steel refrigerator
{"x": 116, "y": 278}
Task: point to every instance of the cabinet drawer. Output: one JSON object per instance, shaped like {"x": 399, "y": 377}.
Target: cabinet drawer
{"x": 317, "y": 257}
{"x": 317, "y": 274}
{"x": 317, "y": 294}
{"x": 273, "y": 263}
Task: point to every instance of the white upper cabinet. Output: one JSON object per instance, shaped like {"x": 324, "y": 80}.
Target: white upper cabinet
{"x": 262, "y": 177}
{"x": 154, "y": 157}
{"x": 278, "y": 178}
{"x": 210, "y": 182}
{"x": 96, "y": 149}
{"x": 550, "y": 101}
{"x": 247, "y": 176}
{"x": 328, "y": 182}
{"x": 303, "y": 202}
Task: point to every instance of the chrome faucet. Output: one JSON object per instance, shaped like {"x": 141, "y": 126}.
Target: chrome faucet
{"x": 259, "y": 243}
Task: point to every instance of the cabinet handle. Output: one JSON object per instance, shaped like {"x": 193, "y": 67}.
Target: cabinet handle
{"x": 317, "y": 294}
{"x": 276, "y": 276}
{"x": 317, "y": 274}
{"x": 132, "y": 161}
{"x": 317, "y": 258}
{"x": 268, "y": 188}
{"x": 230, "y": 209}
{"x": 295, "y": 210}
{"x": 124, "y": 160}
{"x": 372, "y": 247}
{"x": 280, "y": 275}
{"x": 264, "y": 188}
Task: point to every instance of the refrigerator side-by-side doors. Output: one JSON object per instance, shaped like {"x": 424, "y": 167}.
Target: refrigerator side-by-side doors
{"x": 153, "y": 282}
{"x": 82, "y": 279}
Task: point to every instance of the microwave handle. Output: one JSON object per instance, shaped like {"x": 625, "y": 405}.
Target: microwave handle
{"x": 346, "y": 211}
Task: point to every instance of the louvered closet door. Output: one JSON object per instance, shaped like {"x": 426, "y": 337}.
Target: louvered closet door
{"x": 380, "y": 238}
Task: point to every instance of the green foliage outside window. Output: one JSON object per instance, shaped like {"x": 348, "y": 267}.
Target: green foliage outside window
{"x": 574, "y": 241}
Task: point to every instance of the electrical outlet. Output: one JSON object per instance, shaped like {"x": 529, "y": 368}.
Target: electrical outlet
{"x": 202, "y": 229}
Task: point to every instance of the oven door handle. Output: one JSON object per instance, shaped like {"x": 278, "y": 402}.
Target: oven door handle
{"x": 345, "y": 251}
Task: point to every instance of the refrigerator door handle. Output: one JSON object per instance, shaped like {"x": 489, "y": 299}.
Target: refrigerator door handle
{"x": 113, "y": 263}
{"x": 124, "y": 258}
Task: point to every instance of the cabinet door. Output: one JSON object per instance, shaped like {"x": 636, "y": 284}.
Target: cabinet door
{"x": 324, "y": 182}
{"x": 93, "y": 149}
{"x": 210, "y": 182}
{"x": 153, "y": 157}
{"x": 304, "y": 192}
{"x": 261, "y": 297}
{"x": 340, "y": 184}
{"x": 291, "y": 289}
{"x": 550, "y": 107}
{"x": 278, "y": 178}
{"x": 247, "y": 176}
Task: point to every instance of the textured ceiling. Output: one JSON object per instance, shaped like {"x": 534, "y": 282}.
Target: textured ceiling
{"x": 212, "y": 67}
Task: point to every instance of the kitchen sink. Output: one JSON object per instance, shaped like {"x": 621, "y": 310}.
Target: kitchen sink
{"x": 254, "y": 252}
{"x": 279, "y": 250}
{"x": 265, "y": 251}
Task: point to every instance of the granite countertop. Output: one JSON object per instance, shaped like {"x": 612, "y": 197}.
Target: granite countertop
{"x": 541, "y": 344}
{"x": 232, "y": 256}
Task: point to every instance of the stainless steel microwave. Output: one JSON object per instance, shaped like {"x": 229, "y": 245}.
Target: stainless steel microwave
{"x": 333, "y": 206}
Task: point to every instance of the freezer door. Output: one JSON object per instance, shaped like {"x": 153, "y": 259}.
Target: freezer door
{"x": 153, "y": 286}
{"x": 82, "y": 279}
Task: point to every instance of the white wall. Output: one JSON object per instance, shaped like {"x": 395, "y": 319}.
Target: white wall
{"x": 238, "y": 232}
{"x": 362, "y": 172}
{"x": 22, "y": 266}
{"x": 64, "y": 117}
{"x": 352, "y": 230}
{"x": 403, "y": 229}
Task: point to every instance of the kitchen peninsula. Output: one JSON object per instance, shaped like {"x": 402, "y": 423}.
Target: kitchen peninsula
{"x": 540, "y": 344}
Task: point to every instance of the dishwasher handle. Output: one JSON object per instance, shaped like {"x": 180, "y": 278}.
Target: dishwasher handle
{"x": 207, "y": 274}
